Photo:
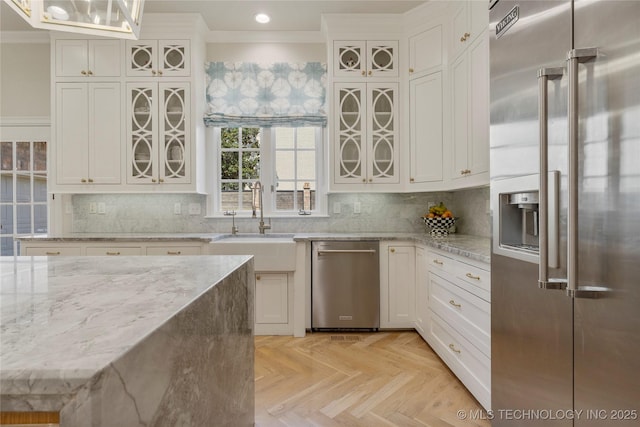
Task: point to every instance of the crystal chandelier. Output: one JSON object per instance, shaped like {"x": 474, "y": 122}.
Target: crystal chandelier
{"x": 111, "y": 18}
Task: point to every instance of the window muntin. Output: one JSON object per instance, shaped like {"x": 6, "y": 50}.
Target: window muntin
{"x": 23, "y": 199}
{"x": 287, "y": 161}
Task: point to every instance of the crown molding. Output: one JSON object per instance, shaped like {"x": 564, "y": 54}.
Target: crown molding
{"x": 29, "y": 121}
{"x": 33, "y": 37}
{"x": 265, "y": 37}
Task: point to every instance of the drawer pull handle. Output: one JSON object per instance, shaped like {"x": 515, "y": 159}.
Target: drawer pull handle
{"x": 174, "y": 252}
{"x": 453, "y": 303}
{"x": 53, "y": 253}
{"x": 471, "y": 276}
{"x": 113, "y": 253}
{"x": 435, "y": 261}
{"x": 454, "y": 349}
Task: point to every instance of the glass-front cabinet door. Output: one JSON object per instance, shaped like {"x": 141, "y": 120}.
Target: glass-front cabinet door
{"x": 158, "y": 58}
{"x": 382, "y": 133}
{"x": 174, "y": 132}
{"x": 142, "y": 134}
{"x": 350, "y": 153}
{"x": 350, "y": 59}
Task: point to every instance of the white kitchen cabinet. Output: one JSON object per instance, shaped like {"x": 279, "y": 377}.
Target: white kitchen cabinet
{"x": 397, "y": 285}
{"x": 113, "y": 250}
{"x": 158, "y": 58}
{"x": 88, "y": 133}
{"x": 366, "y": 134}
{"x": 158, "y": 133}
{"x": 426, "y": 129}
{"x": 88, "y": 58}
{"x": 50, "y": 250}
{"x": 468, "y": 23}
{"x": 422, "y": 292}
{"x": 370, "y": 58}
{"x": 272, "y": 298}
{"x": 425, "y": 51}
{"x": 470, "y": 115}
{"x": 460, "y": 319}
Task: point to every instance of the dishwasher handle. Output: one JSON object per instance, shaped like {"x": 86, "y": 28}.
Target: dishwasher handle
{"x": 346, "y": 251}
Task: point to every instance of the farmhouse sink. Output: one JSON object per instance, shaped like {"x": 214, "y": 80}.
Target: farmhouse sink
{"x": 272, "y": 252}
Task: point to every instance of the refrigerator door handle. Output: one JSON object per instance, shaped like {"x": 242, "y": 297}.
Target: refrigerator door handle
{"x": 574, "y": 57}
{"x": 544, "y": 75}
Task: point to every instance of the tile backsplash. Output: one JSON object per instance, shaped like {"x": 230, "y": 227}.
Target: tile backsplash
{"x": 379, "y": 212}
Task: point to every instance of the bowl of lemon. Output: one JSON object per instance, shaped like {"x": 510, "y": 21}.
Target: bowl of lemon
{"x": 439, "y": 220}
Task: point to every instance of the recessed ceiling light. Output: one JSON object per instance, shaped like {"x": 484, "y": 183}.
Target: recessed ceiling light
{"x": 263, "y": 18}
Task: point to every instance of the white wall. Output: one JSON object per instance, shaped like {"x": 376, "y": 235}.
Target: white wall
{"x": 267, "y": 52}
{"x": 25, "y": 80}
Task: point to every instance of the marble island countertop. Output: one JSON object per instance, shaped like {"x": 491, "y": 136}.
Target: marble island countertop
{"x": 474, "y": 247}
{"x": 66, "y": 322}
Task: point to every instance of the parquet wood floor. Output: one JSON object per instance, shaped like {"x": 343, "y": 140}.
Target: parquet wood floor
{"x": 357, "y": 379}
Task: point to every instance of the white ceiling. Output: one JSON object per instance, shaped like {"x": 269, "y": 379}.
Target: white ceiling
{"x": 237, "y": 15}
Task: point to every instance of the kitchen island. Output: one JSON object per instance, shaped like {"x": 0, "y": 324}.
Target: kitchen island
{"x": 114, "y": 341}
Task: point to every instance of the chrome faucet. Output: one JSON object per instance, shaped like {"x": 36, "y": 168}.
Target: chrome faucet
{"x": 257, "y": 187}
{"x": 234, "y": 227}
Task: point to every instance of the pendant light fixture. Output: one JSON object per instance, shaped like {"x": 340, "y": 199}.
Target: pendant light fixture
{"x": 110, "y": 18}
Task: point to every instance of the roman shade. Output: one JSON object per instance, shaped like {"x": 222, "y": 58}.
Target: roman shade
{"x": 290, "y": 94}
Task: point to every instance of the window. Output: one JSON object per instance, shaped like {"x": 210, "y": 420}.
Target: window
{"x": 23, "y": 200}
{"x": 287, "y": 162}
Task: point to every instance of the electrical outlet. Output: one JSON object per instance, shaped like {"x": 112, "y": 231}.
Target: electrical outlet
{"x": 177, "y": 208}
{"x": 356, "y": 207}
{"x": 194, "y": 208}
{"x": 93, "y": 207}
{"x": 102, "y": 209}
{"x": 336, "y": 207}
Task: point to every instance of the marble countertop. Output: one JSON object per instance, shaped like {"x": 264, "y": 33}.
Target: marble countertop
{"x": 62, "y": 319}
{"x": 473, "y": 247}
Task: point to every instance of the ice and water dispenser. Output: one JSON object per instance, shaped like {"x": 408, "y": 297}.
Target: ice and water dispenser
{"x": 516, "y": 217}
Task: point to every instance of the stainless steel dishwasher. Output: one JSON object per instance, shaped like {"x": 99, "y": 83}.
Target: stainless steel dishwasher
{"x": 345, "y": 285}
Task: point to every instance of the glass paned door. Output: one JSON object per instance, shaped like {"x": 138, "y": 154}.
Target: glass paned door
{"x": 175, "y": 132}
{"x": 350, "y": 153}
{"x": 142, "y": 132}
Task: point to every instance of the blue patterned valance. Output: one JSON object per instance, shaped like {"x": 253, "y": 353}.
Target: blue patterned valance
{"x": 263, "y": 95}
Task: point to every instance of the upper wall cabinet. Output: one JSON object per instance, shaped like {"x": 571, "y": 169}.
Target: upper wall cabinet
{"x": 471, "y": 20}
{"x": 425, "y": 51}
{"x": 87, "y": 58}
{"x": 365, "y": 58}
{"x": 158, "y": 58}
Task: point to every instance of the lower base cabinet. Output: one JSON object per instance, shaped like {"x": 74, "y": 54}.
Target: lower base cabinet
{"x": 397, "y": 285}
{"x": 453, "y": 314}
{"x": 272, "y": 298}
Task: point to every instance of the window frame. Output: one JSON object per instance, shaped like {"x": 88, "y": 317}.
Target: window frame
{"x": 267, "y": 175}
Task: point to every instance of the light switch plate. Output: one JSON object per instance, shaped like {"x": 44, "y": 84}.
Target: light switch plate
{"x": 102, "y": 208}
{"x": 356, "y": 207}
{"x": 93, "y": 207}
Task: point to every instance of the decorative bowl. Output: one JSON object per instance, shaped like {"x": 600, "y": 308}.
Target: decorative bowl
{"x": 439, "y": 226}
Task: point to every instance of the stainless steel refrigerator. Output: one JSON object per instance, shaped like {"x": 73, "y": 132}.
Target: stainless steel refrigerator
{"x": 565, "y": 196}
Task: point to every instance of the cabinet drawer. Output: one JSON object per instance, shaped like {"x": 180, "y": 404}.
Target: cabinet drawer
{"x": 476, "y": 277}
{"x": 441, "y": 263}
{"x": 471, "y": 366}
{"x": 114, "y": 251}
{"x": 52, "y": 251}
{"x": 467, "y": 313}
{"x": 174, "y": 250}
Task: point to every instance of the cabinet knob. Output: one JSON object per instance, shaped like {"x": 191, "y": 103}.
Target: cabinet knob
{"x": 161, "y": 180}
{"x": 159, "y": 72}
{"x": 83, "y": 180}
{"x": 464, "y": 37}
{"x": 90, "y": 72}
{"x": 411, "y": 180}
{"x": 364, "y": 180}
{"x": 83, "y": 72}
{"x": 392, "y": 250}
{"x": 370, "y": 179}
{"x": 364, "y": 73}
{"x": 153, "y": 180}
{"x": 411, "y": 70}
{"x": 370, "y": 72}
{"x": 257, "y": 277}
{"x": 90, "y": 179}
{"x": 153, "y": 72}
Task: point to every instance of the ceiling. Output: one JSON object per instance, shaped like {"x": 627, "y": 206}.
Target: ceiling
{"x": 238, "y": 15}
